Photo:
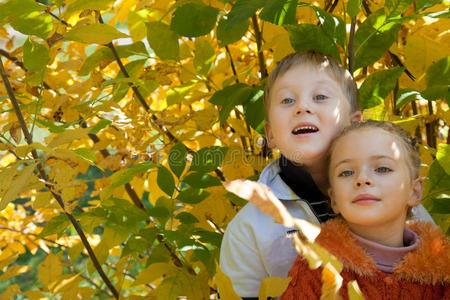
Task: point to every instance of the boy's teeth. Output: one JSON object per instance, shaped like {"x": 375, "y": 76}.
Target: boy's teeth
{"x": 305, "y": 129}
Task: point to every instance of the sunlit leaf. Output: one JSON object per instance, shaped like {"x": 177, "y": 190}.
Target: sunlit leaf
{"x": 94, "y": 34}
{"x": 204, "y": 56}
{"x": 20, "y": 183}
{"x": 35, "y": 56}
{"x": 33, "y": 23}
{"x": 279, "y": 12}
{"x": 50, "y": 269}
{"x": 273, "y": 287}
{"x": 163, "y": 40}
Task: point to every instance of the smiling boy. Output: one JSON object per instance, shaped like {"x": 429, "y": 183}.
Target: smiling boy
{"x": 309, "y": 98}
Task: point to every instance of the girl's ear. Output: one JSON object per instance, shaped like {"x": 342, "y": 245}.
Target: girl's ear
{"x": 334, "y": 205}
{"x": 356, "y": 117}
{"x": 269, "y": 135}
{"x": 416, "y": 192}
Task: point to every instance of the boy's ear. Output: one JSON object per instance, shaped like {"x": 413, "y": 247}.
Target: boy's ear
{"x": 333, "y": 201}
{"x": 416, "y": 193}
{"x": 356, "y": 116}
{"x": 269, "y": 135}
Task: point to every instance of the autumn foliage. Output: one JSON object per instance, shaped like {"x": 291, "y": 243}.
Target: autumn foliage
{"x": 120, "y": 119}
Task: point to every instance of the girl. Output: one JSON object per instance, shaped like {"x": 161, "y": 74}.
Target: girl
{"x": 373, "y": 173}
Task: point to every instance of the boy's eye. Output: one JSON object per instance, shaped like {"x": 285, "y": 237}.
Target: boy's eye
{"x": 287, "y": 101}
{"x": 320, "y": 97}
{"x": 383, "y": 170}
{"x": 346, "y": 173}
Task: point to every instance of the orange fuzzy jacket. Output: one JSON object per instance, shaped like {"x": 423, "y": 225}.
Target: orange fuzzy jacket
{"x": 423, "y": 273}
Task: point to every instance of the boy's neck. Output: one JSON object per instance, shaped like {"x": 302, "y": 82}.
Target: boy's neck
{"x": 318, "y": 173}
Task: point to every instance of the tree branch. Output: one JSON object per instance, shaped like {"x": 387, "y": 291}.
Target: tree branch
{"x": 44, "y": 177}
{"x": 258, "y": 36}
{"x": 351, "y": 53}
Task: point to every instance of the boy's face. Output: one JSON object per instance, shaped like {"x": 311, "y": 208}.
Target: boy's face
{"x": 371, "y": 182}
{"x": 307, "y": 110}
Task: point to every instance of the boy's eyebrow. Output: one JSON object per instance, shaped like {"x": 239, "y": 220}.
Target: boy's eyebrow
{"x": 375, "y": 157}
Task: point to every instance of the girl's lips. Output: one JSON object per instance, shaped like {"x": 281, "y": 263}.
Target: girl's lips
{"x": 365, "y": 199}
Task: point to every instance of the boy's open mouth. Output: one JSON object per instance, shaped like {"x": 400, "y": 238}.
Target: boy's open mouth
{"x": 304, "y": 129}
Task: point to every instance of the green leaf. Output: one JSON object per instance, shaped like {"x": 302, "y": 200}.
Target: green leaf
{"x": 86, "y": 153}
{"x": 213, "y": 238}
{"x": 227, "y": 36}
{"x": 236, "y": 200}
{"x": 437, "y": 92}
{"x": 192, "y": 195}
{"x": 441, "y": 206}
{"x": 201, "y": 180}
{"x": 443, "y": 157}
{"x": 177, "y": 159}
{"x": 99, "y": 126}
{"x": 242, "y": 10}
{"x": 178, "y": 93}
{"x": 163, "y": 40}
{"x": 104, "y": 53}
{"x": 94, "y": 34}
{"x": 14, "y": 8}
{"x": 204, "y": 56}
{"x": 121, "y": 89}
{"x": 438, "y": 181}
{"x": 280, "y": 12}
{"x": 377, "y": 86}
{"x": 34, "y": 23}
{"x": 208, "y": 159}
{"x": 231, "y": 96}
{"x": 404, "y": 96}
{"x": 373, "y": 38}
{"x": 35, "y": 56}
{"x": 424, "y": 4}
{"x": 353, "y": 7}
{"x": 56, "y": 225}
{"x": 88, "y": 4}
{"x": 254, "y": 111}
{"x": 311, "y": 37}
{"x": 126, "y": 175}
{"x": 186, "y": 218}
{"x": 395, "y": 8}
{"x": 137, "y": 244}
{"x": 165, "y": 180}
{"x": 194, "y": 19}
{"x": 439, "y": 73}
{"x": 333, "y": 26}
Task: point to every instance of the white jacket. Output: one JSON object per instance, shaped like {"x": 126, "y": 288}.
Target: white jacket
{"x": 254, "y": 247}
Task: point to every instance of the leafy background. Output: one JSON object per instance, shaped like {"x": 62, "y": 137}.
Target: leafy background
{"x": 120, "y": 119}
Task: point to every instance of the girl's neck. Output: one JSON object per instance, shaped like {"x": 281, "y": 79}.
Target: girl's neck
{"x": 389, "y": 234}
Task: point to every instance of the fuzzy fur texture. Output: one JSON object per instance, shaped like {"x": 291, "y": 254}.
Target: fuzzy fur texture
{"x": 423, "y": 273}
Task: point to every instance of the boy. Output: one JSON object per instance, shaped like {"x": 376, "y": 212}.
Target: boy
{"x": 309, "y": 98}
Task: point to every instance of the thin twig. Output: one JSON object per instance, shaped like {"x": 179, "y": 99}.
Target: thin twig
{"x": 351, "y": 53}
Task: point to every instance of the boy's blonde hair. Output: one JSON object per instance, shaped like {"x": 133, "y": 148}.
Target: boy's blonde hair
{"x": 409, "y": 143}
{"x": 314, "y": 58}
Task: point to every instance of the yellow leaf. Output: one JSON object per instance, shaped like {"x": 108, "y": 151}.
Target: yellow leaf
{"x": 224, "y": 285}
{"x": 155, "y": 271}
{"x": 153, "y": 188}
{"x": 273, "y": 287}
{"x": 50, "y": 269}
{"x": 8, "y": 260}
{"x": 14, "y": 271}
{"x": 20, "y": 183}
{"x": 34, "y": 295}
{"x": 354, "y": 292}
{"x": 67, "y": 282}
{"x": 94, "y": 34}
{"x": 409, "y": 124}
{"x": 42, "y": 200}
{"x": 332, "y": 282}
{"x": 236, "y": 165}
{"x": 12, "y": 291}
{"x": 67, "y": 137}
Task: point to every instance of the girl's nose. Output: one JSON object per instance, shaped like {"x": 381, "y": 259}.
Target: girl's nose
{"x": 362, "y": 181}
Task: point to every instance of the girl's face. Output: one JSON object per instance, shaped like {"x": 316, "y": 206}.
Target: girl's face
{"x": 371, "y": 182}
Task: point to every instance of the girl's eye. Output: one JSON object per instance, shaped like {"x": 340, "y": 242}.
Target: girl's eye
{"x": 346, "y": 173}
{"x": 383, "y": 170}
{"x": 287, "y": 101}
{"x": 320, "y": 97}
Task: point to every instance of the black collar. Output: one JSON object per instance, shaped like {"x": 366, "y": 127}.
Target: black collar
{"x": 303, "y": 185}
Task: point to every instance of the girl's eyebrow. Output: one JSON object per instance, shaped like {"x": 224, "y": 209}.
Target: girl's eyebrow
{"x": 373, "y": 157}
